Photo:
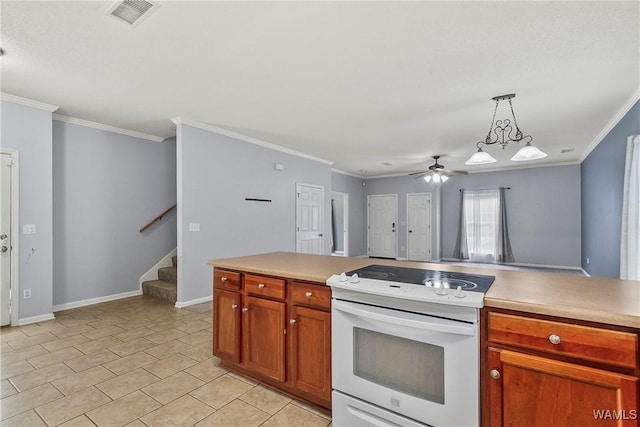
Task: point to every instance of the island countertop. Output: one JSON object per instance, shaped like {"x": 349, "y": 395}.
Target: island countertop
{"x": 603, "y": 300}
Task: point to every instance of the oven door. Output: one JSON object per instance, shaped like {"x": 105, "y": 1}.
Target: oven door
{"x": 422, "y": 367}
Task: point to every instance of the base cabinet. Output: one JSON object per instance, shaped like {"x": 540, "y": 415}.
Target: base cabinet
{"x": 555, "y": 386}
{"x": 276, "y": 331}
{"x": 263, "y": 337}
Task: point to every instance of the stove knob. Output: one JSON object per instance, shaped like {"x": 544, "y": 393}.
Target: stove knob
{"x": 354, "y": 278}
{"x": 441, "y": 290}
{"x": 459, "y": 293}
{"x": 343, "y": 277}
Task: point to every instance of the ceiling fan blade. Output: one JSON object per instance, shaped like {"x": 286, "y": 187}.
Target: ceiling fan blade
{"x": 417, "y": 173}
{"x": 422, "y": 175}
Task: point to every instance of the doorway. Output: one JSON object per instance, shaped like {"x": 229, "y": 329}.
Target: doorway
{"x": 309, "y": 219}
{"x": 382, "y": 217}
{"x": 8, "y": 237}
{"x": 340, "y": 223}
{"x": 419, "y": 226}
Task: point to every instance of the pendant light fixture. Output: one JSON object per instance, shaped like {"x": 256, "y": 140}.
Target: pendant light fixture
{"x": 504, "y": 134}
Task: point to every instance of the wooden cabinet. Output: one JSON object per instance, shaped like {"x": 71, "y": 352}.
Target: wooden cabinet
{"x": 263, "y": 323}
{"x": 543, "y": 372}
{"x": 226, "y": 321}
{"x": 275, "y": 331}
{"x": 310, "y": 339}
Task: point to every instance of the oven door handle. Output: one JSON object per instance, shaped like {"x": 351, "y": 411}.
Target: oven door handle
{"x": 400, "y": 318}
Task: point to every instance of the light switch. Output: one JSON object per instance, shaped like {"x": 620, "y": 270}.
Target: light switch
{"x": 29, "y": 229}
{"x": 194, "y": 226}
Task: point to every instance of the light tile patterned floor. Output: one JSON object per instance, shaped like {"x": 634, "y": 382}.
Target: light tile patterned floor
{"x": 136, "y": 362}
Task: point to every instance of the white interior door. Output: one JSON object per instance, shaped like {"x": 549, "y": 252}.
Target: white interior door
{"x": 5, "y": 240}
{"x": 309, "y": 221}
{"x": 382, "y": 214}
{"x": 419, "y": 227}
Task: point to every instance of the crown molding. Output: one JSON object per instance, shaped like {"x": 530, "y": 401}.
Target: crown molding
{"x": 245, "y": 138}
{"x": 341, "y": 172}
{"x": 108, "y": 128}
{"x": 612, "y": 123}
{"x": 28, "y": 102}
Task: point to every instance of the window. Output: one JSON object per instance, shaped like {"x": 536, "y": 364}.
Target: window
{"x": 483, "y": 235}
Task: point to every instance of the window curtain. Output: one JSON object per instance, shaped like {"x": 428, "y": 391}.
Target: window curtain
{"x": 630, "y": 236}
{"x": 483, "y": 234}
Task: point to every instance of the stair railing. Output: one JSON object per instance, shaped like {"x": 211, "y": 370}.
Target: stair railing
{"x": 158, "y": 218}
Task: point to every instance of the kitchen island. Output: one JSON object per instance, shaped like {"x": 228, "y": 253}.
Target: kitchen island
{"x": 565, "y": 336}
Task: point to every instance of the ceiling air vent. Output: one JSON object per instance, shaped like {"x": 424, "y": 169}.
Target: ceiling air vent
{"x": 131, "y": 11}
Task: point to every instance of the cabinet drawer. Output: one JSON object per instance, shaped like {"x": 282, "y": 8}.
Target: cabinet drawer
{"x": 226, "y": 279}
{"x": 264, "y": 286}
{"x": 582, "y": 342}
{"x": 314, "y": 295}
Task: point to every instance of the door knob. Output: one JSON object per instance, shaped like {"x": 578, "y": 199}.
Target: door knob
{"x": 4, "y": 249}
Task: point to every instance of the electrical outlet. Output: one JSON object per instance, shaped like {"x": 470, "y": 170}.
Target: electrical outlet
{"x": 587, "y": 260}
{"x": 26, "y": 293}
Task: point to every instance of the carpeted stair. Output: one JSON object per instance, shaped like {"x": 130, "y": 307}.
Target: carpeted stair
{"x": 166, "y": 287}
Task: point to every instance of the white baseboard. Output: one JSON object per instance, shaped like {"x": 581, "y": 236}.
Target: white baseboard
{"x": 97, "y": 300}
{"x": 516, "y": 264}
{"x": 193, "y": 302}
{"x": 152, "y": 273}
{"x": 36, "y": 319}
{"x": 585, "y": 272}
{"x": 402, "y": 259}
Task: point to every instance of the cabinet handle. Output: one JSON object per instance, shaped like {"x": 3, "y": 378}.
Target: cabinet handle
{"x": 245, "y": 309}
{"x": 555, "y": 339}
{"x": 495, "y": 374}
{"x": 260, "y": 285}
{"x": 308, "y": 295}
{"x": 223, "y": 279}
{"x": 292, "y": 322}
{"x": 234, "y": 306}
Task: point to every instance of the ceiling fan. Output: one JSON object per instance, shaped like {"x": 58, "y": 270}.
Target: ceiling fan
{"x": 436, "y": 172}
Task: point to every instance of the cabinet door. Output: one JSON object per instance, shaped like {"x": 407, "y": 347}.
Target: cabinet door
{"x": 226, "y": 325}
{"x": 263, "y": 326}
{"x": 536, "y": 391}
{"x": 310, "y": 351}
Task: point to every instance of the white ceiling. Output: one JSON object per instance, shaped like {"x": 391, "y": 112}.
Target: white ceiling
{"x": 356, "y": 83}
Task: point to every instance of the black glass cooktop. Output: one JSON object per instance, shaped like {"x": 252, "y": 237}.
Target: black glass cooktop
{"x": 434, "y": 278}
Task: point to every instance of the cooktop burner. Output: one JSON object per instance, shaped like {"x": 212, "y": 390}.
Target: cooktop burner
{"x": 431, "y": 278}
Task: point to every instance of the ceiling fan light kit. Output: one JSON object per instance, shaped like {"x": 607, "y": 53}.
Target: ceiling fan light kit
{"x": 436, "y": 173}
{"x": 505, "y": 133}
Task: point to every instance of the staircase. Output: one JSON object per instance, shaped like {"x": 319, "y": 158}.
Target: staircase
{"x": 166, "y": 287}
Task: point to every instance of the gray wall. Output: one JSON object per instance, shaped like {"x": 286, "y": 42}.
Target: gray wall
{"x": 401, "y": 185}
{"x": 357, "y": 210}
{"x": 543, "y": 211}
{"x": 106, "y": 186}
{"x": 602, "y": 191}
{"x": 215, "y": 174}
{"x": 28, "y": 130}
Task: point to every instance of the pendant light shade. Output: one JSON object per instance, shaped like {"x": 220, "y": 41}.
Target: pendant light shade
{"x": 528, "y": 152}
{"x": 480, "y": 158}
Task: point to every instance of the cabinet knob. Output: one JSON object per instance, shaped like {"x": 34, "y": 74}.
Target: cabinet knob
{"x": 245, "y": 309}
{"x": 260, "y": 285}
{"x": 223, "y": 279}
{"x": 555, "y": 339}
{"x": 308, "y": 295}
{"x": 292, "y": 322}
{"x": 495, "y": 374}
{"x": 234, "y": 306}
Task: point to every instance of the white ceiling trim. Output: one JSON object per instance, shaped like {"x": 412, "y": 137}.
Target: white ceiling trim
{"x": 245, "y": 138}
{"x": 341, "y": 172}
{"x": 612, "y": 123}
{"x": 28, "y": 102}
{"x": 108, "y": 128}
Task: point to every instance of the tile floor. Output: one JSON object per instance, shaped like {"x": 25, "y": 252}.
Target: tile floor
{"x": 135, "y": 362}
